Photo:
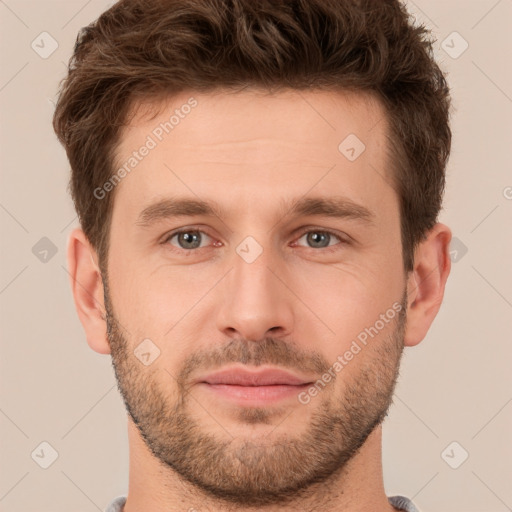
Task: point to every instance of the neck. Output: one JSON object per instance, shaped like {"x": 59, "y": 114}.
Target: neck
{"x": 358, "y": 487}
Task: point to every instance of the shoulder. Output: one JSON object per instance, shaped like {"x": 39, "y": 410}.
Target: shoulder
{"x": 403, "y": 503}
{"x": 116, "y": 505}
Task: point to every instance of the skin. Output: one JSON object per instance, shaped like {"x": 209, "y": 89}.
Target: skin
{"x": 249, "y": 152}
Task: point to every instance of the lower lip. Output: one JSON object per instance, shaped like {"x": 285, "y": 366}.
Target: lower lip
{"x": 255, "y": 395}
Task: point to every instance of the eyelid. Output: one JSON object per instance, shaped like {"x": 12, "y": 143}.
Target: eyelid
{"x": 342, "y": 237}
{"x": 339, "y": 234}
{"x": 185, "y": 229}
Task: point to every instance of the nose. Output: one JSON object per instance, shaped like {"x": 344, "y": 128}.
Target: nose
{"x": 256, "y": 300}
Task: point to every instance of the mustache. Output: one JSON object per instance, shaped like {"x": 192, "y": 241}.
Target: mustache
{"x": 268, "y": 350}
{"x": 257, "y": 353}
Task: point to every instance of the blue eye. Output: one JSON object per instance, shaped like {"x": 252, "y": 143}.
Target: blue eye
{"x": 187, "y": 238}
{"x": 319, "y": 237}
{"x": 190, "y": 239}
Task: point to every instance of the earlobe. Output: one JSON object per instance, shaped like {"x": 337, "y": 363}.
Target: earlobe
{"x": 426, "y": 283}
{"x": 87, "y": 288}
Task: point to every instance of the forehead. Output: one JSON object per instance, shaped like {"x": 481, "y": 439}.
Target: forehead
{"x": 289, "y": 113}
{"x": 251, "y": 142}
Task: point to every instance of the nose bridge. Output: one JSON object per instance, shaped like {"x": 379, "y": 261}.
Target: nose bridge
{"x": 254, "y": 299}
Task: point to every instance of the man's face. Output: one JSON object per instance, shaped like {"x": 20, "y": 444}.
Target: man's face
{"x": 260, "y": 286}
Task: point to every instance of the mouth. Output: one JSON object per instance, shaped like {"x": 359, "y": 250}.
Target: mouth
{"x": 246, "y": 387}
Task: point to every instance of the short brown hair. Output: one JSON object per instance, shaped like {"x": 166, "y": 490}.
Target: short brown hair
{"x": 144, "y": 49}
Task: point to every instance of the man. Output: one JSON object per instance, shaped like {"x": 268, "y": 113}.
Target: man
{"x": 258, "y": 188}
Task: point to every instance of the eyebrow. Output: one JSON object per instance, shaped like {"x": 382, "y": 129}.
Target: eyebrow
{"x": 333, "y": 207}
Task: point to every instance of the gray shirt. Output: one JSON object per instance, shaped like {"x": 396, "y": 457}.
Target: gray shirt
{"x": 399, "y": 502}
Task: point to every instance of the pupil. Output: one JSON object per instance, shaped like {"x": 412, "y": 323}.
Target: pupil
{"x": 192, "y": 239}
{"x": 316, "y": 236}
{"x": 189, "y": 239}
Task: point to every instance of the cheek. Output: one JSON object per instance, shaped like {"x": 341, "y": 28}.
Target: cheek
{"x": 346, "y": 304}
{"x": 332, "y": 302}
{"x": 157, "y": 302}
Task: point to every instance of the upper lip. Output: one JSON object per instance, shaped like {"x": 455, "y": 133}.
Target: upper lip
{"x": 244, "y": 377}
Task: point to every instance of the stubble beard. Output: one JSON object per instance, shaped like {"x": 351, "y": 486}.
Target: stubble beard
{"x": 271, "y": 469}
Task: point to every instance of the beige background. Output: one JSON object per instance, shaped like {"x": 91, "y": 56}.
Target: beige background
{"x": 455, "y": 386}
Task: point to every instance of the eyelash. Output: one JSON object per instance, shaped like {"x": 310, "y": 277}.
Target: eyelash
{"x": 328, "y": 249}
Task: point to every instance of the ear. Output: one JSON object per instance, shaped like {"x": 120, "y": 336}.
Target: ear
{"x": 426, "y": 283}
{"x": 87, "y": 288}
